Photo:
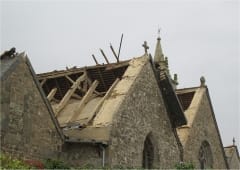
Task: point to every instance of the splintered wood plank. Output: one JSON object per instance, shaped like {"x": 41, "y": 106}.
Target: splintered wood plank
{"x": 51, "y": 94}
{"x": 69, "y": 93}
{"x": 84, "y": 100}
{"x": 99, "y": 105}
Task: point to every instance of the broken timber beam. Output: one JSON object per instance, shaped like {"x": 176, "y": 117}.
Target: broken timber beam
{"x": 69, "y": 93}
{"x": 51, "y": 94}
{"x": 99, "y": 105}
{"x": 84, "y": 100}
{"x": 94, "y": 58}
{"x": 104, "y": 56}
{"x": 114, "y": 53}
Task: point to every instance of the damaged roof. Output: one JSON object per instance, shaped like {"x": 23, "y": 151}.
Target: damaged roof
{"x": 85, "y": 99}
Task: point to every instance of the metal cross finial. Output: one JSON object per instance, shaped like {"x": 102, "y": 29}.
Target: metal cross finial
{"x": 159, "y": 29}
{"x": 145, "y": 46}
{"x": 233, "y": 141}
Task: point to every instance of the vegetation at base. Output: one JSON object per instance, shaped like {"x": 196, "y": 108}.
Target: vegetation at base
{"x": 10, "y": 163}
{"x": 54, "y": 164}
{"x": 7, "y": 162}
{"x": 184, "y": 165}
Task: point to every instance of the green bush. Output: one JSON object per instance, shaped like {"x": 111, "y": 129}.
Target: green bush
{"x": 54, "y": 164}
{"x": 184, "y": 165}
{"x": 10, "y": 163}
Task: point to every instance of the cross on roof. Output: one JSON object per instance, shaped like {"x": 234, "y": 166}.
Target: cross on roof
{"x": 159, "y": 29}
{"x": 145, "y": 46}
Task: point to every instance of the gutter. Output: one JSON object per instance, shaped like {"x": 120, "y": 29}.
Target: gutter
{"x": 103, "y": 155}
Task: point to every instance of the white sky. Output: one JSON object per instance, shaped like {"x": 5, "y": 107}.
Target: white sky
{"x": 200, "y": 37}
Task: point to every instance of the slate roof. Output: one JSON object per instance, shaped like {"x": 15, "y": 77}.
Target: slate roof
{"x": 185, "y": 96}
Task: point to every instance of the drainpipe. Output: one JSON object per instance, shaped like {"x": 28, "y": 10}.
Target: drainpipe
{"x": 103, "y": 155}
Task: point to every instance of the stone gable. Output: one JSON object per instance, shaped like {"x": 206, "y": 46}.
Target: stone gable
{"x": 143, "y": 113}
{"x": 202, "y": 131}
{"x": 27, "y": 129}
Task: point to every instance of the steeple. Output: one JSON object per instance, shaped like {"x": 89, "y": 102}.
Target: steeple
{"x": 158, "y": 56}
{"x": 161, "y": 62}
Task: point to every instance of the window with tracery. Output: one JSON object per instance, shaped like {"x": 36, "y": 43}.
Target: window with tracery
{"x": 205, "y": 156}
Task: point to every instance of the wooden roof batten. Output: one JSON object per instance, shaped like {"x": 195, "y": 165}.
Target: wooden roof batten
{"x": 72, "y": 81}
{"x": 50, "y": 96}
{"x": 74, "y": 122}
{"x": 69, "y": 93}
{"x": 84, "y": 100}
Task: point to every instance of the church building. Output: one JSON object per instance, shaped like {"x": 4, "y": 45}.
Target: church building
{"x": 126, "y": 114}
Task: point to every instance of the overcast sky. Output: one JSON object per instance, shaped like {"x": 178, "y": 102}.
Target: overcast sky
{"x": 199, "y": 38}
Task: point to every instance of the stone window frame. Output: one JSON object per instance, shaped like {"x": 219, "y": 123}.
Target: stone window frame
{"x": 148, "y": 152}
{"x": 205, "y": 155}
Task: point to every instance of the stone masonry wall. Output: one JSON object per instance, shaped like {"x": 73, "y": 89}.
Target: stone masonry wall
{"x": 203, "y": 128}
{"x": 27, "y": 130}
{"x": 143, "y": 112}
{"x": 233, "y": 161}
{"x": 80, "y": 155}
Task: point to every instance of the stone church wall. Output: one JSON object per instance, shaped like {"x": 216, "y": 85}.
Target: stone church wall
{"x": 81, "y": 155}
{"x": 142, "y": 113}
{"x": 204, "y": 129}
{"x": 234, "y": 162}
{"x": 27, "y": 130}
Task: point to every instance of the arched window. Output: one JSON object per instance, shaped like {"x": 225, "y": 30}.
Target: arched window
{"x": 148, "y": 153}
{"x": 205, "y": 156}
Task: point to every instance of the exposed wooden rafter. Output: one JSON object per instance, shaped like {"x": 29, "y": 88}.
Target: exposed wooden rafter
{"x": 99, "y": 105}
{"x": 72, "y": 81}
{"x": 69, "y": 93}
{"x": 94, "y": 58}
{"x": 84, "y": 100}
{"x": 101, "y": 77}
{"x": 43, "y": 81}
{"x": 76, "y": 96}
{"x": 51, "y": 94}
{"x": 58, "y": 87}
{"x": 105, "y": 57}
